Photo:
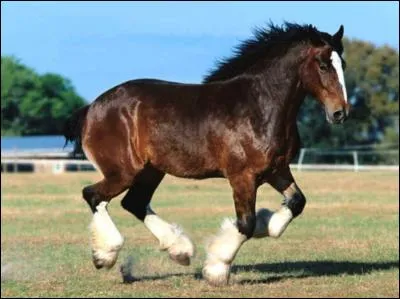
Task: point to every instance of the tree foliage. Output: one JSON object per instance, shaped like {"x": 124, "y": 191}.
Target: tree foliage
{"x": 372, "y": 83}
{"x": 33, "y": 104}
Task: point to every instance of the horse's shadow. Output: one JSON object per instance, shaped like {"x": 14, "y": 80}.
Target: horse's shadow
{"x": 301, "y": 269}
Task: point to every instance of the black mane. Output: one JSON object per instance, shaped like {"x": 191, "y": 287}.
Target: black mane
{"x": 271, "y": 42}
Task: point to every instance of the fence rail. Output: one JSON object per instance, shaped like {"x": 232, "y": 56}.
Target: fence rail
{"x": 351, "y": 167}
{"x": 35, "y": 153}
{"x": 59, "y": 161}
{"x": 57, "y": 166}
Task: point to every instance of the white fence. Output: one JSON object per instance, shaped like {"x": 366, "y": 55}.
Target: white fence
{"x": 355, "y": 159}
{"x": 58, "y": 162}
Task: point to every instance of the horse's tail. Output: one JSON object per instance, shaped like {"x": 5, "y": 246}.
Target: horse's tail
{"x": 73, "y": 128}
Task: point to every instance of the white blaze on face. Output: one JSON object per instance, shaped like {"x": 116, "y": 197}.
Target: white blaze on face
{"x": 337, "y": 64}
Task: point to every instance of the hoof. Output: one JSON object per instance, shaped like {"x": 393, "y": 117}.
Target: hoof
{"x": 182, "y": 250}
{"x": 181, "y": 258}
{"x": 217, "y": 274}
{"x": 105, "y": 259}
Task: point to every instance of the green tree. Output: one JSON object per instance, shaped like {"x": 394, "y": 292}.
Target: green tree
{"x": 33, "y": 104}
{"x": 372, "y": 83}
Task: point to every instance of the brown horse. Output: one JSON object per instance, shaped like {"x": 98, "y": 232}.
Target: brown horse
{"x": 239, "y": 124}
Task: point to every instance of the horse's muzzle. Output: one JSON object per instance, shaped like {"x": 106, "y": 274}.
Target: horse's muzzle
{"x": 337, "y": 117}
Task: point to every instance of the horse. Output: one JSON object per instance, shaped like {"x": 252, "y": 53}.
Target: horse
{"x": 238, "y": 124}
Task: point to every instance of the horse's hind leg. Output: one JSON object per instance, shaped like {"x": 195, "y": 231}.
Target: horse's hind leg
{"x": 106, "y": 240}
{"x": 171, "y": 237}
{"x": 107, "y": 141}
{"x": 137, "y": 201}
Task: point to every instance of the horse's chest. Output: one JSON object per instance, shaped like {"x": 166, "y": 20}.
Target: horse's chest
{"x": 282, "y": 151}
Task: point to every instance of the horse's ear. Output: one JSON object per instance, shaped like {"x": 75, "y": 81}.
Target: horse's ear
{"x": 338, "y": 35}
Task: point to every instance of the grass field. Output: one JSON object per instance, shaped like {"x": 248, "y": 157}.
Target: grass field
{"x": 345, "y": 244}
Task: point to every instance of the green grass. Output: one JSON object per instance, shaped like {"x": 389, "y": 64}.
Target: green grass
{"x": 345, "y": 244}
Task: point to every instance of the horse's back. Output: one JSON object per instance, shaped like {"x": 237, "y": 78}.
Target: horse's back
{"x": 159, "y": 122}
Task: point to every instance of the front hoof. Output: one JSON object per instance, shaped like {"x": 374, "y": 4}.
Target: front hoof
{"x": 217, "y": 274}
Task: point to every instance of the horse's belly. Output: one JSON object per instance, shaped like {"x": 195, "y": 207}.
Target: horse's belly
{"x": 186, "y": 168}
{"x": 189, "y": 160}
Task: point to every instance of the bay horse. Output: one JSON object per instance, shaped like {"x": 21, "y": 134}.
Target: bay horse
{"x": 239, "y": 124}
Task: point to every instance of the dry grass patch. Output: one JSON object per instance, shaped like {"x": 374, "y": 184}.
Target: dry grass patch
{"x": 345, "y": 244}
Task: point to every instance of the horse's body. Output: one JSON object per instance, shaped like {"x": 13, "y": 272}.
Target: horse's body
{"x": 240, "y": 124}
{"x": 195, "y": 134}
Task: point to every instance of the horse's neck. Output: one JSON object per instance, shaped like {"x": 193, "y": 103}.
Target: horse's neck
{"x": 281, "y": 96}
{"x": 279, "y": 86}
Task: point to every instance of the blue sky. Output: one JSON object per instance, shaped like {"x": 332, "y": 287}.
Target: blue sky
{"x": 98, "y": 45}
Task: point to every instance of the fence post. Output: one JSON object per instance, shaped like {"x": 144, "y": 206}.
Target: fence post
{"x": 355, "y": 158}
{"x": 301, "y": 157}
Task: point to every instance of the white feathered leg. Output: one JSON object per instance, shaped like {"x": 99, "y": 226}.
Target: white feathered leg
{"x": 272, "y": 224}
{"x": 221, "y": 251}
{"x": 106, "y": 240}
{"x": 171, "y": 237}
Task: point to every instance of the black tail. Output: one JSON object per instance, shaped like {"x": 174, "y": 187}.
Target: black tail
{"x": 73, "y": 129}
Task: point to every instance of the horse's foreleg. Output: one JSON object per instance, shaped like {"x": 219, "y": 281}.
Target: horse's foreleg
{"x": 273, "y": 224}
{"x": 106, "y": 240}
{"x": 224, "y": 247}
{"x": 137, "y": 201}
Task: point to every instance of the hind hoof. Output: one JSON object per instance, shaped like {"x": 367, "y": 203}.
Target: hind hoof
{"x": 182, "y": 250}
{"x": 181, "y": 258}
{"x": 104, "y": 259}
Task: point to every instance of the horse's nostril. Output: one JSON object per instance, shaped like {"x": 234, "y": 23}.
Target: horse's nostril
{"x": 338, "y": 115}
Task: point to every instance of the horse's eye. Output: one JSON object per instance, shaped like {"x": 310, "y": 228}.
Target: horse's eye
{"x": 323, "y": 66}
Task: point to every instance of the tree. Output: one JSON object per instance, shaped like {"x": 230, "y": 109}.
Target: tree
{"x": 372, "y": 83}
{"x": 33, "y": 104}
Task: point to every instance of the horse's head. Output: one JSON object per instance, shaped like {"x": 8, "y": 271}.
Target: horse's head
{"x": 322, "y": 76}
